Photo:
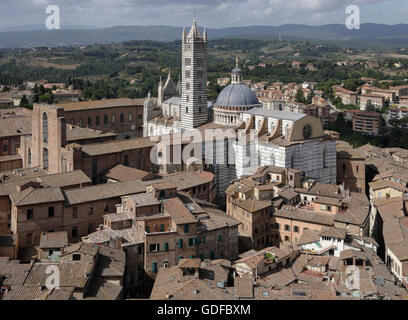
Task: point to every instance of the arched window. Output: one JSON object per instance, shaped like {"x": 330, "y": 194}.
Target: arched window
{"x": 45, "y": 158}
{"x": 29, "y": 157}
{"x": 45, "y": 127}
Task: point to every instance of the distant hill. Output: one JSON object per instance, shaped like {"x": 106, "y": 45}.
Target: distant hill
{"x": 33, "y": 27}
{"x": 369, "y": 34}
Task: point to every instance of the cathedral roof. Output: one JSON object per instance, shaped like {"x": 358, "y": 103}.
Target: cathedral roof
{"x": 237, "y": 94}
{"x": 169, "y": 87}
{"x": 237, "y": 70}
{"x": 284, "y": 115}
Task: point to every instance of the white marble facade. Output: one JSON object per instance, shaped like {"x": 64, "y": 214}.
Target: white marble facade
{"x": 284, "y": 139}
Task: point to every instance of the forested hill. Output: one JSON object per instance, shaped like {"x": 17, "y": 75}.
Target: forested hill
{"x": 369, "y": 33}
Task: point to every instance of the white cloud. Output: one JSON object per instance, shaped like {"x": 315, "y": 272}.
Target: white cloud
{"x": 212, "y": 13}
{"x": 39, "y": 2}
{"x": 403, "y": 10}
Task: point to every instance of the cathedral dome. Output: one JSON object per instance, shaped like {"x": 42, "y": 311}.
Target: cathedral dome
{"x": 236, "y": 95}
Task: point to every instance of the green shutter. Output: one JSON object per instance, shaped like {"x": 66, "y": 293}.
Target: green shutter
{"x": 148, "y": 229}
{"x": 154, "y": 266}
{"x": 212, "y": 255}
{"x": 180, "y": 243}
{"x": 219, "y": 238}
{"x": 186, "y": 228}
{"x": 162, "y": 228}
{"x": 166, "y": 246}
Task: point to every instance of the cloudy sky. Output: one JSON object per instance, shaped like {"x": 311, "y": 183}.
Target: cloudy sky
{"x": 211, "y": 13}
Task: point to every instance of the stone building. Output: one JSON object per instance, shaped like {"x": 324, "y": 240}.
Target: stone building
{"x": 400, "y": 91}
{"x": 66, "y": 96}
{"x": 123, "y": 116}
{"x": 160, "y": 227}
{"x": 347, "y": 96}
{"x": 387, "y": 94}
{"x": 85, "y": 272}
{"x": 13, "y": 180}
{"x": 58, "y": 147}
{"x": 288, "y": 140}
{"x": 193, "y": 279}
{"x": 35, "y": 205}
{"x": 371, "y": 100}
{"x": 275, "y": 205}
{"x": 350, "y": 168}
{"x": 13, "y": 125}
{"x": 18, "y": 123}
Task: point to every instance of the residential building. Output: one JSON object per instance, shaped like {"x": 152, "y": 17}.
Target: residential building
{"x": 168, "y": 226}
{"x": 366, "y": 122}
{"x": 347, "y": 96}
{"x": 367, "y": 101}
{"x": 387, "y": 94}
{"x": 86, "y": 272}
{"x": 195, "y": 280}
{"x": 66, "y": 96}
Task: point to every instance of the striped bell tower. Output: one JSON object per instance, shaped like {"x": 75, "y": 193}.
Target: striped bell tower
{"x": 194, "y": 111}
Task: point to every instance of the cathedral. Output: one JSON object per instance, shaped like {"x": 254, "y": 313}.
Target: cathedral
{"x": 280, "y": 138}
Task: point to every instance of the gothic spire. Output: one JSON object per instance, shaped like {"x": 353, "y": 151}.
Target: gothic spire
{"x": 194, "y": 32}
{"x": 184, "y": 34}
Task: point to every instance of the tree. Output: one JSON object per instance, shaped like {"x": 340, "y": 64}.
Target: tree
{"x": 24, "y": 102}
{"x": 45, "y": 99}
{"x": 310, "y": 96}
{"x": 352, "y": 84}
{"x": 369, "y": 106}
{"x": 403, "y": 141}
{"x": 299, "y": 97}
